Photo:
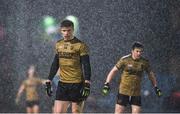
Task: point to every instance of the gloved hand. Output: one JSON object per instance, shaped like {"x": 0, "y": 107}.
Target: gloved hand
{"x": 48, "y": 89}
{"x": 86, "y": 90}
{"x": 158, "y": 91}
{"x": 106, "y": 89}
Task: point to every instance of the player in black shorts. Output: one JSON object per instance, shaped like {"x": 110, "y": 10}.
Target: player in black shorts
{"x": 30, "y": 86}
{"x": 72, "y": 58}
{"x": 133, "y": 67}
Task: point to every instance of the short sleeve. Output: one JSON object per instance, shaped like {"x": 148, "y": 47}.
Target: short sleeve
{"x": 120, "y": 63}
{"x": 56, "y": 48}
{"x": 84, "y": 50}
{"x": 24, "y": 82}
{"x": 147, "y": 67}
{"x": 39, "y": 81}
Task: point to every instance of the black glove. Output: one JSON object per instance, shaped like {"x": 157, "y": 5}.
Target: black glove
{"x": 86, "y": 90}
{"x": 158, "y": 91}
{"x": 106, "y": 89}
{"x": 48, "y": 89}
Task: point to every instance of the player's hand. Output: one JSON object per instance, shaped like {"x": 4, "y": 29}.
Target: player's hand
{"x": 106, "y": 89}
{"x": 48, "y": 88}
{"x": 158, "y": 91}
{"x": 17, "y": 101}
{"x": 86, "y": 90}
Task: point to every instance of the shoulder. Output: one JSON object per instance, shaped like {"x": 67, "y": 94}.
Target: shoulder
{"x": 25, "y": 82}
{"x": 76, "y": 40}
{"x": 81, "y": 43}
{"x": 144, "y": 60}
{"x": 39, "y": 80}
{"x": 126, "y": 57}
{"x": 59, "y": 41}
{"x": 59, "y": 44}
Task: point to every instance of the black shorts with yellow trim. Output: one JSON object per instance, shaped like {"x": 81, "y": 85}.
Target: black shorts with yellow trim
{"x": 125, "y": 99}
{"x": 69, "y": 92}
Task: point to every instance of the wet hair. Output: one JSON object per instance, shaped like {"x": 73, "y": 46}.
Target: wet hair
{"x": 67, "y": 23}
{"x": 137, "y": 45}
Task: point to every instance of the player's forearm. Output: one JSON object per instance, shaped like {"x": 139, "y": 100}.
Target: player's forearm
{"x": 86, "y": 67}
{"x": 54, "y": 67}
{"x": 152, "y": 77}
{"x": 19, "y": 92}
{"x": 21, "y": 89}
{"x": 111, "y": 74}
{"x": 18, "y": 95}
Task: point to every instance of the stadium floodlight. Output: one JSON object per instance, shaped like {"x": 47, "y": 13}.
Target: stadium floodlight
{"x": 49, "y": 24}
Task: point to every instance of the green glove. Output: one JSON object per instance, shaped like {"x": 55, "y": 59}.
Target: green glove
{"x": 86, "y": 90}
{"x": 158, "y": 91}
{"x": 106, "y": 89}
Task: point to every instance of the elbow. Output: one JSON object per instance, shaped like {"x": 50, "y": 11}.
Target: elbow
{"x": 114, "y": 70}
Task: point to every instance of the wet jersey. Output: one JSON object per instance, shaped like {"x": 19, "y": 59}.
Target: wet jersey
{"x": 69, "y": 53}
{"x": 132, "y": 71}
{"x": 31, "y": 86}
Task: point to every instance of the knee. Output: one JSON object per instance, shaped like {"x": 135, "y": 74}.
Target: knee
{"x": 119, "y": 109}
{"x": 75, "y": 111}
{"x": 136, "y": 109}
{"x": 36, "y": 109}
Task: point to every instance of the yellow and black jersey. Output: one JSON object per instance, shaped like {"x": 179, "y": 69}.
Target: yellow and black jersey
{"x": 31, "y": 85}
{"x": 69, "y": 53}
{"x": 132, "y": 71}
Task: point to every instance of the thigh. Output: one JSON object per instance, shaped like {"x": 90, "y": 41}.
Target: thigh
{"x": 122, "y": 100}
{"x": 119, "y": 108}
{"x": 36, "y": 108}
{"x": 77, "y": 107}
{"x": 61, "y": 106}
{"x": 29, "y": 110}
{"x": 136, "y": 109}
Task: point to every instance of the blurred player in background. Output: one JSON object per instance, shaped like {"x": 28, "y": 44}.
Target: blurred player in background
{"x": 30, "y": 86}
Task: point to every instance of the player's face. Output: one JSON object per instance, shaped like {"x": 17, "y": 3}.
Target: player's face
{"x": 67, "y": 32}
{"x": 137, "y": 53}
{"x": 31, "y": 71}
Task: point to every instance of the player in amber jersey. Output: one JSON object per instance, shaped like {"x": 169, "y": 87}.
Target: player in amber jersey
{"x": 132, "y": 66}
{"x": 30, "y": 86}
{"x": 72, "y": 58}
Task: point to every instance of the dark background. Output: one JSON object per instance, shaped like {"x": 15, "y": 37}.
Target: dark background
{"x": 109, "y": 27}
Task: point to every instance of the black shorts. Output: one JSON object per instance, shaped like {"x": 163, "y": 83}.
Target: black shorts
{"x": 125, "y": 99}
{"x": 69, "y": 92}
{"x": 31, "y": 103}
